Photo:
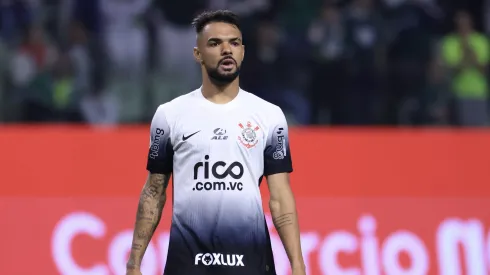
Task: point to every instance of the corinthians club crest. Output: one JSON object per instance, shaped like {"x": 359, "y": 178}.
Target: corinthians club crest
{"x": 249, "y": 135}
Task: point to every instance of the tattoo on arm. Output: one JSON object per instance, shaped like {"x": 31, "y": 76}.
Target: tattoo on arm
{"x": 157, "y": 184}
{"x": 283, "y": 220}
{"x": 136, "y": 246}
{"x": 148, "y": 216}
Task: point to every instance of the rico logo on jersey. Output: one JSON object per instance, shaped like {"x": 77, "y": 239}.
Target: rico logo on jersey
{"x": 219, "y": 259}
{"x": 219, "y": 170}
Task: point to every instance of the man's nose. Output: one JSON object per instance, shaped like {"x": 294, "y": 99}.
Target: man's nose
{"x": 226, "y": 50}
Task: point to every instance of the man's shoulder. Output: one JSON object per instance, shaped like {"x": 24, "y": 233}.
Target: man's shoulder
{"x": 262, "y": 106}
{"x": 177, "y": 105}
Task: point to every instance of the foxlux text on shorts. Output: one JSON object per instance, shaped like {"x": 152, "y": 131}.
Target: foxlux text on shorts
{"x": 208, "y": 259}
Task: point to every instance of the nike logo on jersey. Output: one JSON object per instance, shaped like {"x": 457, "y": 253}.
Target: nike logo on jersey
{"x": 184, "y": 138}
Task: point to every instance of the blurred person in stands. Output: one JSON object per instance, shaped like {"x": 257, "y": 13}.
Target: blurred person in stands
{"x": 366, "y": 58}
{"x": 59, "y": 100}
{"x": 243, "y": 8}
{"x": 175, "y": 39}
{"x": 80, "y": 56}
{"x": 32, "y": 61}
{"x": 270, "y": 74}
{"x": 100, "y": 107}
{"x": 217, "y": 142}
{"x": 466, "y": 54}
{"x": 125, "y": 36}
{"x": 411, "y": 26}
{"x": 250, "y": 12}
{"x": 6, "y": 112}
{"x": 327, "y": 39}
{"x": 127, "y": 47}
{"x": 14, "y": 16}
{"x": 437, "y": 99}
{"x": 34, "y": 55}
{"x": 65, "y": 92}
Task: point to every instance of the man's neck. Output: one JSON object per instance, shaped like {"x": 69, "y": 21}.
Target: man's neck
{"x": 220, "y": 94}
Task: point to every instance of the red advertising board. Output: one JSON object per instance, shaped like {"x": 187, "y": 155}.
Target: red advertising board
{"x": 371, "y": 202}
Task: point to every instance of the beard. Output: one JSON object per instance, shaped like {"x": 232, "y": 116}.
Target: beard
{"x": 219, "y": 78}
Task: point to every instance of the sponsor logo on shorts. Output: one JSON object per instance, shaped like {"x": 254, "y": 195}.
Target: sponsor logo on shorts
{"x": 208, "y": 259}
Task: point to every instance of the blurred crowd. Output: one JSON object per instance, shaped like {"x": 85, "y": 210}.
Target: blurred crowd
{"x": 347, "y": 62}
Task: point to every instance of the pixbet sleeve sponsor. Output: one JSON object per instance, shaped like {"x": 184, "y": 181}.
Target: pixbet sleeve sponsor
{"x": 321, "y": 252}
{"x": 277, "y": 156}
{"x": 160, "y": 153}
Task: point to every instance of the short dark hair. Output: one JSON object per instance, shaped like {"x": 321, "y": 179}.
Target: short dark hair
{"x": 207, "y": 17}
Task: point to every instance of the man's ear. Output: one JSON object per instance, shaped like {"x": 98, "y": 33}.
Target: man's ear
{"x": 197, "y": 55}
{"x": 243, "y": 52}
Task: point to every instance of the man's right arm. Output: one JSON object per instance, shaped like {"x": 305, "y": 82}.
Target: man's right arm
{"x": 150, "y": 207}
{"x": 153, "y": 196}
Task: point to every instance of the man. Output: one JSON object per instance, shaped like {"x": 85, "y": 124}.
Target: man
{"x": 218, "y": 141}
{"x": 465, "y": 54}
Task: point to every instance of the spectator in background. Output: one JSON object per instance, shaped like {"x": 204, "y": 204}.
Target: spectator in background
{"x": 80, "y": 56}
{"x": 52, "y": 95}
{"x": 244, "y": 8}
{"x": 365, "y": 61}
{"x": 250, "y": 12}
{"x": 30, "y": 63}
{"x": 127, "y": 50}
{"x": 466, "y": 54}
{"x": 14, "y": 17}
{"x": 412, "y": 24}
{"x": 327, "y": 38}
{"x": 125, "y": 35}
{"x": 296, "y": 15}
{"x": 437, "y": 98}
{"x": 38, "y": 49}
{"x": 100, "y": 106}
{"x": 269, "y": 75}
{"x": 89, "y": 14}
{"x": 176, "y": 39}
{"x": 66, "y": 97}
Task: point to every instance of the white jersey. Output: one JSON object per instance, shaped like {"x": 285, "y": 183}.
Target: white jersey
{"x": 218, "y": 154}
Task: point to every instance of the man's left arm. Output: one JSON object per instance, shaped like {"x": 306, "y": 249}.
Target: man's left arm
{"x": 277, "y": 166}
{"x": 285, "y": 218}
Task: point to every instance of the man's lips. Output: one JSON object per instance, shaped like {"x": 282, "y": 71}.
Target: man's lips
{"x": 227, "y": 61}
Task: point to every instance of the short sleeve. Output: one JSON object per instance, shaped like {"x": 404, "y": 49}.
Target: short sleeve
{"x": 160, "y": 154}
{"x": 277, "y": 155}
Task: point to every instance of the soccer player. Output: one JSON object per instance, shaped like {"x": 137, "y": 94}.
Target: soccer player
{"x": 218, "y": 142}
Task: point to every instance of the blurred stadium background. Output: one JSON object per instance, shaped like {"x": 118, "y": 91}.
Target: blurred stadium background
{"x": 406, "y": 194}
